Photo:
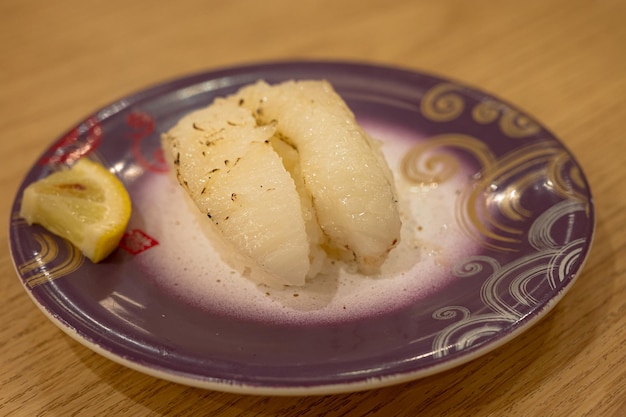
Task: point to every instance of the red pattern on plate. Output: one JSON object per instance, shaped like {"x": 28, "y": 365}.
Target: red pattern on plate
{"x": 68, "y": 149}
{"x": 142, "y": 125}
{"x": 137, "y": 241}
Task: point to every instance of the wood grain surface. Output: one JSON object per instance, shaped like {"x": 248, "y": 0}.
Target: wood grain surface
{"x": 563, "y": 61}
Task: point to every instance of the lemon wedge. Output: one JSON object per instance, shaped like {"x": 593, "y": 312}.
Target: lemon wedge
{"x": 85, "y": 204}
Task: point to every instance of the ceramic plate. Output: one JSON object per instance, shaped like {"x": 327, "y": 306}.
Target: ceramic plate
{"x": 497, "y": 222}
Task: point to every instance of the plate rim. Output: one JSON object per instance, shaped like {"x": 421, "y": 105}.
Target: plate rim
{"x": 154, "y": 90}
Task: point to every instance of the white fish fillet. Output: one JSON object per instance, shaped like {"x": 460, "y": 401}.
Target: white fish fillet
{"x": 345, "y": 172}
{"x": 233, "y": 175}
{"x": 286, "y": 174}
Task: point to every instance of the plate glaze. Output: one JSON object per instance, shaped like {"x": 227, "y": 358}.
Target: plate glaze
{"x": 498, "y": 221}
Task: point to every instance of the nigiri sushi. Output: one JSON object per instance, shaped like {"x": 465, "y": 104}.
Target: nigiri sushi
{"x": 287, "y": 177}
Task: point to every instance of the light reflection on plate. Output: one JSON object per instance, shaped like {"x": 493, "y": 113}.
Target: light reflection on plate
{"x": 498, "y": 222}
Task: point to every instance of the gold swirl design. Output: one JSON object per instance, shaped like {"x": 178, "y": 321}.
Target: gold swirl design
{"x": 512, "y": 123}
{"x": 441, "y": 103}
{"x": 49, "y": 253}
{"x": 491, "y": 209}
{"x": 517, "y": 125}
{"x": 566, "y": 177}
{"x": 496, "y": 197}
{"x": 486, "y": 111}
{"x": 424, "y": 165}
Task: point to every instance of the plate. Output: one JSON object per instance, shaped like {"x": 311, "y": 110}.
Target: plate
{"x": 498, "y": 221}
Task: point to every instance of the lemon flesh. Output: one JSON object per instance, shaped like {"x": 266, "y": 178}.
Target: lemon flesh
{"x": 85, "y": 204}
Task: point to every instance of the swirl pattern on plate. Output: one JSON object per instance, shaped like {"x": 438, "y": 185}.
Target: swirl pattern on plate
{"x": 523, "y": 200}
{"x": 445, "y": 102}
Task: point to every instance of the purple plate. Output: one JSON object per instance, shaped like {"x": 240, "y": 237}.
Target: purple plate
{"x": 498, "y": 220}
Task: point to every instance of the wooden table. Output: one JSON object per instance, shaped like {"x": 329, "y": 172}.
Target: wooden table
{"x": 562, "y": 61}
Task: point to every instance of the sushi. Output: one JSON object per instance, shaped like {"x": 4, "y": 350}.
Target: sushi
{"x": 288, "y": 178}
